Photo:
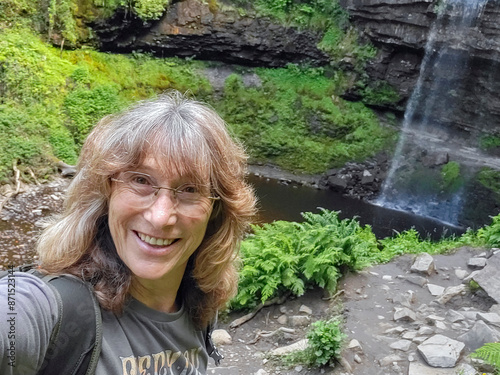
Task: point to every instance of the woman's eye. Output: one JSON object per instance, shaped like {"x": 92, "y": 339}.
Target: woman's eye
{"x": 141, "y": 180}
{"x": 190, "y": 189}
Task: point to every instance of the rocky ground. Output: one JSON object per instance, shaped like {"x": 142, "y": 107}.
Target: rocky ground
{"x": 410, "y": 316}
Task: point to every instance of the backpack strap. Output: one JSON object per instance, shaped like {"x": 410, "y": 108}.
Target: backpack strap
{"x": 209, "y": 343}
{"x": 75, "y": 343}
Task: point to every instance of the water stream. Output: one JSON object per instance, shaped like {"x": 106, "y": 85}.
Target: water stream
{"x": 414, "y": 182}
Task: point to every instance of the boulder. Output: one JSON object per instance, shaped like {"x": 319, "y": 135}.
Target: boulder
{"x": 479, "y": 335}
{"x": 424, "y": 263}
{"x": 489, "y": 278}
{"x": 441, "y": 351}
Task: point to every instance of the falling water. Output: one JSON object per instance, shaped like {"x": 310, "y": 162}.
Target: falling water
{"x": 413, "y": 182}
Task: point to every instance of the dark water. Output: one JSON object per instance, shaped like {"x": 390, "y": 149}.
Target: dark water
{"x": 286, "y": 202}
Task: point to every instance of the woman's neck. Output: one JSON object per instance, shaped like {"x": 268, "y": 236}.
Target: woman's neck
{"x": 158, "y": 297}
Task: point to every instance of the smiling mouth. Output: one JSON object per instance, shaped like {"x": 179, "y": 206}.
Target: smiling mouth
{"x": 155, "y": 241}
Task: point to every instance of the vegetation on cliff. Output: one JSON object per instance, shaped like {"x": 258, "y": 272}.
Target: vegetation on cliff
{"x": 51, "y": 97}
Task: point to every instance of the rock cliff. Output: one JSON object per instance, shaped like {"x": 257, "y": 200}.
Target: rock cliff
{"x": 401, "y": 28}
{"x": 398, "y": 28}
{"x": 191, "y": 29}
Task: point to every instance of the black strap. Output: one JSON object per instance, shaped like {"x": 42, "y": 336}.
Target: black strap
{"x": 210, "y": 346}
{"x": 75, "y": 344}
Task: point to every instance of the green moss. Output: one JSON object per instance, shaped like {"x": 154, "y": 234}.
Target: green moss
{"x": 30, "y": 70}
{"x": 452, "y": 179}
{"x": 296, "y": 121}
{"x": 489, "y": 142}
{"x": 379, "y": 93}
{"x": 85, "y": 107}
{"x": 490, "y": 179}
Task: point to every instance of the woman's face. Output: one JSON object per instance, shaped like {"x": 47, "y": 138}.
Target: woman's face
{"x": 155, "y": 242}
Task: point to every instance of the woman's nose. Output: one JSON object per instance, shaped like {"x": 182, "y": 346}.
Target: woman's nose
{"x": 163, "y": 211}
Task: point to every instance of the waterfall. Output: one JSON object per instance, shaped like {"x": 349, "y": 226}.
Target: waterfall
{"x": 416, "y": 180}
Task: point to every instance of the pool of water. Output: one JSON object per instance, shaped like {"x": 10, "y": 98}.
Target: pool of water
{"x": 278, "y": 201}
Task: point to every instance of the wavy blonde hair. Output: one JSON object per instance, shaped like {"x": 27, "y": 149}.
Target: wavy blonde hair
{"x": 182, "y": 134}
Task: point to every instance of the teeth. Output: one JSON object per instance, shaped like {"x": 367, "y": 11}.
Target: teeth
{"x": 155, "y": 241}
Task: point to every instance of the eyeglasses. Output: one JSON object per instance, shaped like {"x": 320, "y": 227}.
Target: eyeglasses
{"x": 190, "y": 200}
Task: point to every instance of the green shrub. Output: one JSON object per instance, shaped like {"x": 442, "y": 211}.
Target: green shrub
{"x": 23, "y": 139}
{"x": 288, "y": 257}
{"x": 150, "y": 9}
{"x": 489, "y": 142}
{"x": 379, "y": 93}
{"x": 62, "y": 18}
{"x": 325, "y": 340}
{"x": 315, "y": 14}
{"x": 145, "y": 9}
{"x": 342, "y": 44}
{"x": 490, "y": 234}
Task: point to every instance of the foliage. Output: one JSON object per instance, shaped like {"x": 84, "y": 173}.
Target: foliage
{"x": 343, "y": 45}
{"x": 490, "y": 179}
{"x": 150, "y": 9}
{"x": 296, "y": 120}
{"x": 286, "y": 257}
{"x": 491, "y": 234}
{"x": 325, "y": 339}
{"x": 315, "y": 14}
{"x": 85, "y": 107}
{"x": 145, "y": 9}
{"x": 11, "y": 9}
{"x": 450, "y": 174}
{"x": 410, "y": 242}
{"x": 489, "y": 142}
{"x": 379, "y": 93}
{"x": 50, "y": 99}
{"x": 30, "y": 70}
{"x": 61, "y": 18}
{"x": 489, "y": 352}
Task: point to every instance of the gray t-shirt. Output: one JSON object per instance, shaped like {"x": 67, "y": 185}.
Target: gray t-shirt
{"x": 141, "y": 341}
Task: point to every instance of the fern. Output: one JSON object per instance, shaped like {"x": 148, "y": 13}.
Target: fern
{"x": 289, "y": 257}
{"x": 490, "y": 353}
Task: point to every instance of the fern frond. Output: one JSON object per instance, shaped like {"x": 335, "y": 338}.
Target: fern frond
{"x": 490, "y": 353}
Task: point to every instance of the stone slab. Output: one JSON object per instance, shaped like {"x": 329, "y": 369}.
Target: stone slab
{"x": 421, "y": 369}
{"x": 417, "y": 368}
{"x": 489, "y": 278}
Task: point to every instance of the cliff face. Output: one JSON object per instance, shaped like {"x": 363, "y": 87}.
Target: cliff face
{"x": 190, "y": 28}
{"x": 401, "y": 29}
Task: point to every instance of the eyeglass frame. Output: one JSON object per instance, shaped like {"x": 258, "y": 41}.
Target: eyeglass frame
{"x": 157, "y": 188}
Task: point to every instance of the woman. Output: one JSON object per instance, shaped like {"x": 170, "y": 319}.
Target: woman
{"x": 151, "y": 220}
